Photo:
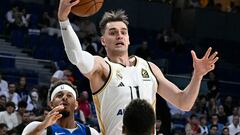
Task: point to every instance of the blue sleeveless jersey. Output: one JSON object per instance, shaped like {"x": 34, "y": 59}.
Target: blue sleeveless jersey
{"x": 57, "y": 130}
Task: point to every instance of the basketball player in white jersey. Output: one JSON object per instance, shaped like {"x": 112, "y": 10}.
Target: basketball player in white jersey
{"x": 118, "y": 78}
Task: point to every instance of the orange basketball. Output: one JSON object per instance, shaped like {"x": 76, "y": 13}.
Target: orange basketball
{"x": 87, "y": 7}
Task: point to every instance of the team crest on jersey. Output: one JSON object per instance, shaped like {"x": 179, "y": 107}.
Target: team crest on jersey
{"x": 119, "y": 75}
{"x": 144, "y": 73}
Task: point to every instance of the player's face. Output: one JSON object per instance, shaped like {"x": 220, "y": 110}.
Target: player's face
{"x": 66, "y": 99}
{"x": 115, "y": 37}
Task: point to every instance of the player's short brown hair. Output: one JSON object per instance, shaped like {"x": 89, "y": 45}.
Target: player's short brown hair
{"x": 112, "y": 16}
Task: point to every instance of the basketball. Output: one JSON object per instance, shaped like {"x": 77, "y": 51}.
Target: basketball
{"x": 87, "y": 8}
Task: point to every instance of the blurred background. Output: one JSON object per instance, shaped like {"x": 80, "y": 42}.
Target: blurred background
{"x": 32, "y": 57}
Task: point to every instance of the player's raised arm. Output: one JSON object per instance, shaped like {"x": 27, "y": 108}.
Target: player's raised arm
{"x": 82, "y": 59}
{"x": 39, "y": 128}
{"x": 184, "y": 99}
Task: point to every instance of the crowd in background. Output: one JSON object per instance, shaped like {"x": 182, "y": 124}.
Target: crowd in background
{"x": 20, "y": 103}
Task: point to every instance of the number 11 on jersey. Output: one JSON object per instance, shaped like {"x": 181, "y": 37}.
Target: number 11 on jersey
{"x": 134, "y": 89}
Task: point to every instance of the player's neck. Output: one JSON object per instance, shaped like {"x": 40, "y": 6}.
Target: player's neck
{"x": 67, "y": 123}
{"x": 123, "y": 60}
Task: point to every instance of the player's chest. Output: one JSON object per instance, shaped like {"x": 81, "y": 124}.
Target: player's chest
{"x": 131, "y": 76}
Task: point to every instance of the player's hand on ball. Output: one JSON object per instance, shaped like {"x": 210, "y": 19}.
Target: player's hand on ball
{"x": 65, "y": 8}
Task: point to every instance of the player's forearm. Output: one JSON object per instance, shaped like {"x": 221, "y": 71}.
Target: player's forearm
{"x": 190, "y": 93}
{"x": 37, "y": 130}
{"x": 69, "y": 36}
{"x": 82, "y": 59}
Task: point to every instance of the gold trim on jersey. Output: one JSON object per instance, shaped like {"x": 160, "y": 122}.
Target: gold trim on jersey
{"x": 154, "y": 105}
{"x": 106, "y": 83}
{"x": 97, "y": 104}
{"x": 153, "y": 73}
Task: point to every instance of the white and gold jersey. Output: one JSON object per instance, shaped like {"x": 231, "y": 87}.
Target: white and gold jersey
{"x": 123, "y": 85}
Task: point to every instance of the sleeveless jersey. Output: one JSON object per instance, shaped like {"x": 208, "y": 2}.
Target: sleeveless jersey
{"x": 58, "y": 130}
{"x": 123, "y": 85}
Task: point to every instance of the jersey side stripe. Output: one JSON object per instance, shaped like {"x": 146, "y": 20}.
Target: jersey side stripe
{"x": 97, "y": 104}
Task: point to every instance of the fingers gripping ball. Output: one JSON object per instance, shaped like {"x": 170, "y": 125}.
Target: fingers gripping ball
{"x": 87, "y": 7}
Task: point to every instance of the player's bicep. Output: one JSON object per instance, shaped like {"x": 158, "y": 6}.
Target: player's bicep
{"x": 99, "y": 67}
{"x": 166, "y": 89}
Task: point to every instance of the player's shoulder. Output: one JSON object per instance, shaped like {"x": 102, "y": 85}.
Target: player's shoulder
{"x": 93, "y": 131}
{"x": 99, "y": 59}
{"x": 32, "y": 126}
{"x": 139, "y": 59}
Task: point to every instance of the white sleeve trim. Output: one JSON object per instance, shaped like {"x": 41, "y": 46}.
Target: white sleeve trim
{"x": 82, "y": 59}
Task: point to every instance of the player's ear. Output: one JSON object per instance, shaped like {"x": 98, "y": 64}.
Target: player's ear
{"x": 76, "y": 105}
{"x": 50, "y": 103}
{"x": 102, "y": 40}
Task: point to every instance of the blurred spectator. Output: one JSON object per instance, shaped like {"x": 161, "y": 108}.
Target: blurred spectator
{"x": 90, "y": 46}
{"x": 25, "y": 17}
{"x": 87, "y": 28}
{"x": 203, "y": 3}
{"x": 163, "y": 40}
{"x": 21, "y": 89}
{"x": 11, "y": 16}
{"x": 213, "y": 86}
{"x": 46, "y": 110}
{"x": 213, "y": 130}
{"x": 234, "y": 112}
{"x": 143, "y": 51}
{"x": 194, "y": 3}
{"x": 177, "y": 117}
{"x": 11, "y": 95}
{"x": 9, "y": 116}
{"x": 36, "y": 102}
{"x": 17, "y": 19}
{"x": 192, "y": 126}
{"x": 3, "y": 129}
{"x": 193, "y": 110}
{"x": 177, "y": 38}
{"x": 203, "y": 125}
{"x": 234, "y": 127}
{"x": 218, "y": 7}
{"x": 214, "y": 122}
{"x": 228, "y": 105}
{"x": 75, "y": 24}
{"x": 235, "y": 9}
{"x": 202, "y": 105}
{"x": 21, "y": 110}
{"x": 212, "y": 107}
{"x": 25, "y": 121}
{"x": 42, "y": 116}
{"x": 49, "y": 24}
{"x": 222, "y": 115}
{"x": 225, "y": 131}
{"x": 79, "y": 116}
{"x": 65, "y": 74}
{"x": 3, "y": 85}
{"x": 171, "y": 41}
{"x": 3, "y": 101}
{"x": 85, "y": 106}
{"x": 45, "y": 20}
